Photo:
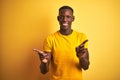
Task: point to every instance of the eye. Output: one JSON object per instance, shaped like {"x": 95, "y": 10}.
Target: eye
{"x": 69, "y": 17}
{"x": 61, "y": 17}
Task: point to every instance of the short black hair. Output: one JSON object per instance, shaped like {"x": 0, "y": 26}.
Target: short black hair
{"x": 66, "y": 7}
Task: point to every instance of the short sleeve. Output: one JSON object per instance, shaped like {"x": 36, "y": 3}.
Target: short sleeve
{"x": 47, "y": 45}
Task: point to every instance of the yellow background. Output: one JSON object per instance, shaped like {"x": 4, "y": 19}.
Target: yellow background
{"x": 25, "y": 24}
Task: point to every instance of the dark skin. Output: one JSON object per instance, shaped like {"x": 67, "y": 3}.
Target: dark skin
{"x": 83, "y": 55}
{"x": 65, "y": 20}
{"x": 45, "y": 59}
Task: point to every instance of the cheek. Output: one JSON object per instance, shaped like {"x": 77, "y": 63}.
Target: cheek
{"x": 70, "y": 23}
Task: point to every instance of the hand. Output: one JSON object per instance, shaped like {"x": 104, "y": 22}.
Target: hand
{"x": 42, "y": 55}
{"x": 80, "y": 50}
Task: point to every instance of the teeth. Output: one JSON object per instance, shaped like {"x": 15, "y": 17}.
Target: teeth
{"x": 65, "y": 24}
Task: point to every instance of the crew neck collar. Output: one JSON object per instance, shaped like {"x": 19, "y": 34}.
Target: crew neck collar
{"x": 66, "y": 35}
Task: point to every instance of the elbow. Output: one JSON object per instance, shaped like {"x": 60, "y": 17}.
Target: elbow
{"x": 44, "y": 72}
{"x": 86, "y": 67}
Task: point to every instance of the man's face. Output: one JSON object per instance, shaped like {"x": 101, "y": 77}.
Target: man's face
{"x": 65, "y": 19}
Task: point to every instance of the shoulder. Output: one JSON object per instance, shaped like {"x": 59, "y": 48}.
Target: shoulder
{"x": 52, "y": 35}
{"x": 79, "y": 33}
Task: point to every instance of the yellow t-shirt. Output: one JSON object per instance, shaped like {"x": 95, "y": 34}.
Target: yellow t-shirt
{"x": 65, "y": 63}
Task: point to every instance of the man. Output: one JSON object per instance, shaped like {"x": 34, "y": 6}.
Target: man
{"x": 66, "y": 50}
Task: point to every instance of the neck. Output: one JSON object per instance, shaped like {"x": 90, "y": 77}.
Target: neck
{"x": 66, "y": 32}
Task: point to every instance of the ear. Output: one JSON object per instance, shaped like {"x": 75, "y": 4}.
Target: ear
{"x": 58, "y": 18}
{"x": 73, "y": 18}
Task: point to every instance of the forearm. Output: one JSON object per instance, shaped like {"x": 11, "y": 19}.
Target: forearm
{"x": 84, "y": 63}
{"x": 83, "y": 55}
{"x": 84, "y": 60}
{"x": 44, "y": 67}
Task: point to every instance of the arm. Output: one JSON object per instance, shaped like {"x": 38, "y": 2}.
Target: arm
{"x": 45, "y": 59}
{"x": 44, "y": 66}
{"x": 84, "y": 60}
{"x": 83, "y": 55}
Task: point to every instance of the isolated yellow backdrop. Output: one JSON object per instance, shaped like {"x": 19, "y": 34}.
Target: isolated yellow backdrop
{"x": 25, "y": 24}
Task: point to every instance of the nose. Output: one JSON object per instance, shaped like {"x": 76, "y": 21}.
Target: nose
{"x": 64, "y": 19}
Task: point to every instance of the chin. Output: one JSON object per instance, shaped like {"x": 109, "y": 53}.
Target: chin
{"x": 64, "y": 28}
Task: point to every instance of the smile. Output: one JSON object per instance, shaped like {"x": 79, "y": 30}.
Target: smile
{"x": 65, "y": 24}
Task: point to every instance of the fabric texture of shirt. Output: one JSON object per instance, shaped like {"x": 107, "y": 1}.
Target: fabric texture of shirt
{"x": 64, "y": 63}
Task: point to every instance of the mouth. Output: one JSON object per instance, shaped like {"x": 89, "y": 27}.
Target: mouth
{"x": 65, "y": 24}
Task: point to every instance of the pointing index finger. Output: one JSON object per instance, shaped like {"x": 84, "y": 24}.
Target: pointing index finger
{"x": 84, "y": 42}
{"x": 40, "y": 52}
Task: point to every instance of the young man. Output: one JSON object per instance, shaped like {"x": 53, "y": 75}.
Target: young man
{"x": 66, "y": 49}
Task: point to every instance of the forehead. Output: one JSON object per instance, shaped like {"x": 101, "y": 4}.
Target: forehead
{"x": 65, "y": 11}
